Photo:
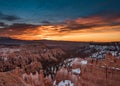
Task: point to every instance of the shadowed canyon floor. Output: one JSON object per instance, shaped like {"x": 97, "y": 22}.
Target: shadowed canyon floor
{"x": 54, "y": 63}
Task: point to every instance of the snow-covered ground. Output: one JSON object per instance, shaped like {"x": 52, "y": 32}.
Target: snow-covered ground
{"x": 71, "y": 61}
{"x": 76, "y": 71}
{"x": 99, "y": 51}
{"x": 102, "y": 50}
{"x": 5, "y": 51}
{"x": 113, "y": 68}
{"x": 84, "y": 62}
{"x": 64, "y": 83}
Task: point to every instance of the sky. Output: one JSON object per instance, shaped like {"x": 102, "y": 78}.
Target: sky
{"x": 68, "y": 20}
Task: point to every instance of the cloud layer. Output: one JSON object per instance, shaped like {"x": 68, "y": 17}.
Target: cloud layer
{"x": 8, "y": 17}
{"x": 80, "y": 29}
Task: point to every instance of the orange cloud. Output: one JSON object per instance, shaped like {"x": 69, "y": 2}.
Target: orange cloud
{"x": 95, "y": 28}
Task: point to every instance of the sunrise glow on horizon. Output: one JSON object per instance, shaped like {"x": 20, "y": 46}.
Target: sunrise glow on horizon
{"x": 63, "y": 20}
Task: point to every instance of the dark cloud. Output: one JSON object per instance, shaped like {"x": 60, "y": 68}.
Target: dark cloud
{"x": 107, "y": 14}
{"x": 93, "y": 21}
{"x": 21, "y": 26}
{"x": 8, "y": 17}
{"x": 73, "y": 25}
{"x": 80, "y": 26}
{"x": 16, "y": 29}
{"x": 46, "y": 22}
{"x": 2, "y": 24}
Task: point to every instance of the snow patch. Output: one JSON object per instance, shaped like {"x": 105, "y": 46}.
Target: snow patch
{"x": 84, "y": 62}
{"x": 76, "y": 71}
{"x": 65, "y": 83}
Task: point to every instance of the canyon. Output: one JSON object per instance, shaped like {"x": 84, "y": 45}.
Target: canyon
{"x": 59, "y": 63}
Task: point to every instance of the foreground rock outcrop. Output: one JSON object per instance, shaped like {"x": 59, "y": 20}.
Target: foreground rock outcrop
{"x": 90, "y": 72}
{"x": 9, "y": 79}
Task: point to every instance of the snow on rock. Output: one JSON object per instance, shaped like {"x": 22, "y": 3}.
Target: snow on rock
{"x": 77, "y": 63}
{"x": 65, "y": 83}
{"x": 8, "y": 50}
{"x": 76, "y": 71}
{"x": 5, "y": 52}
{"x": 84, "y": 62}
{"x": 103, "y": 50}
